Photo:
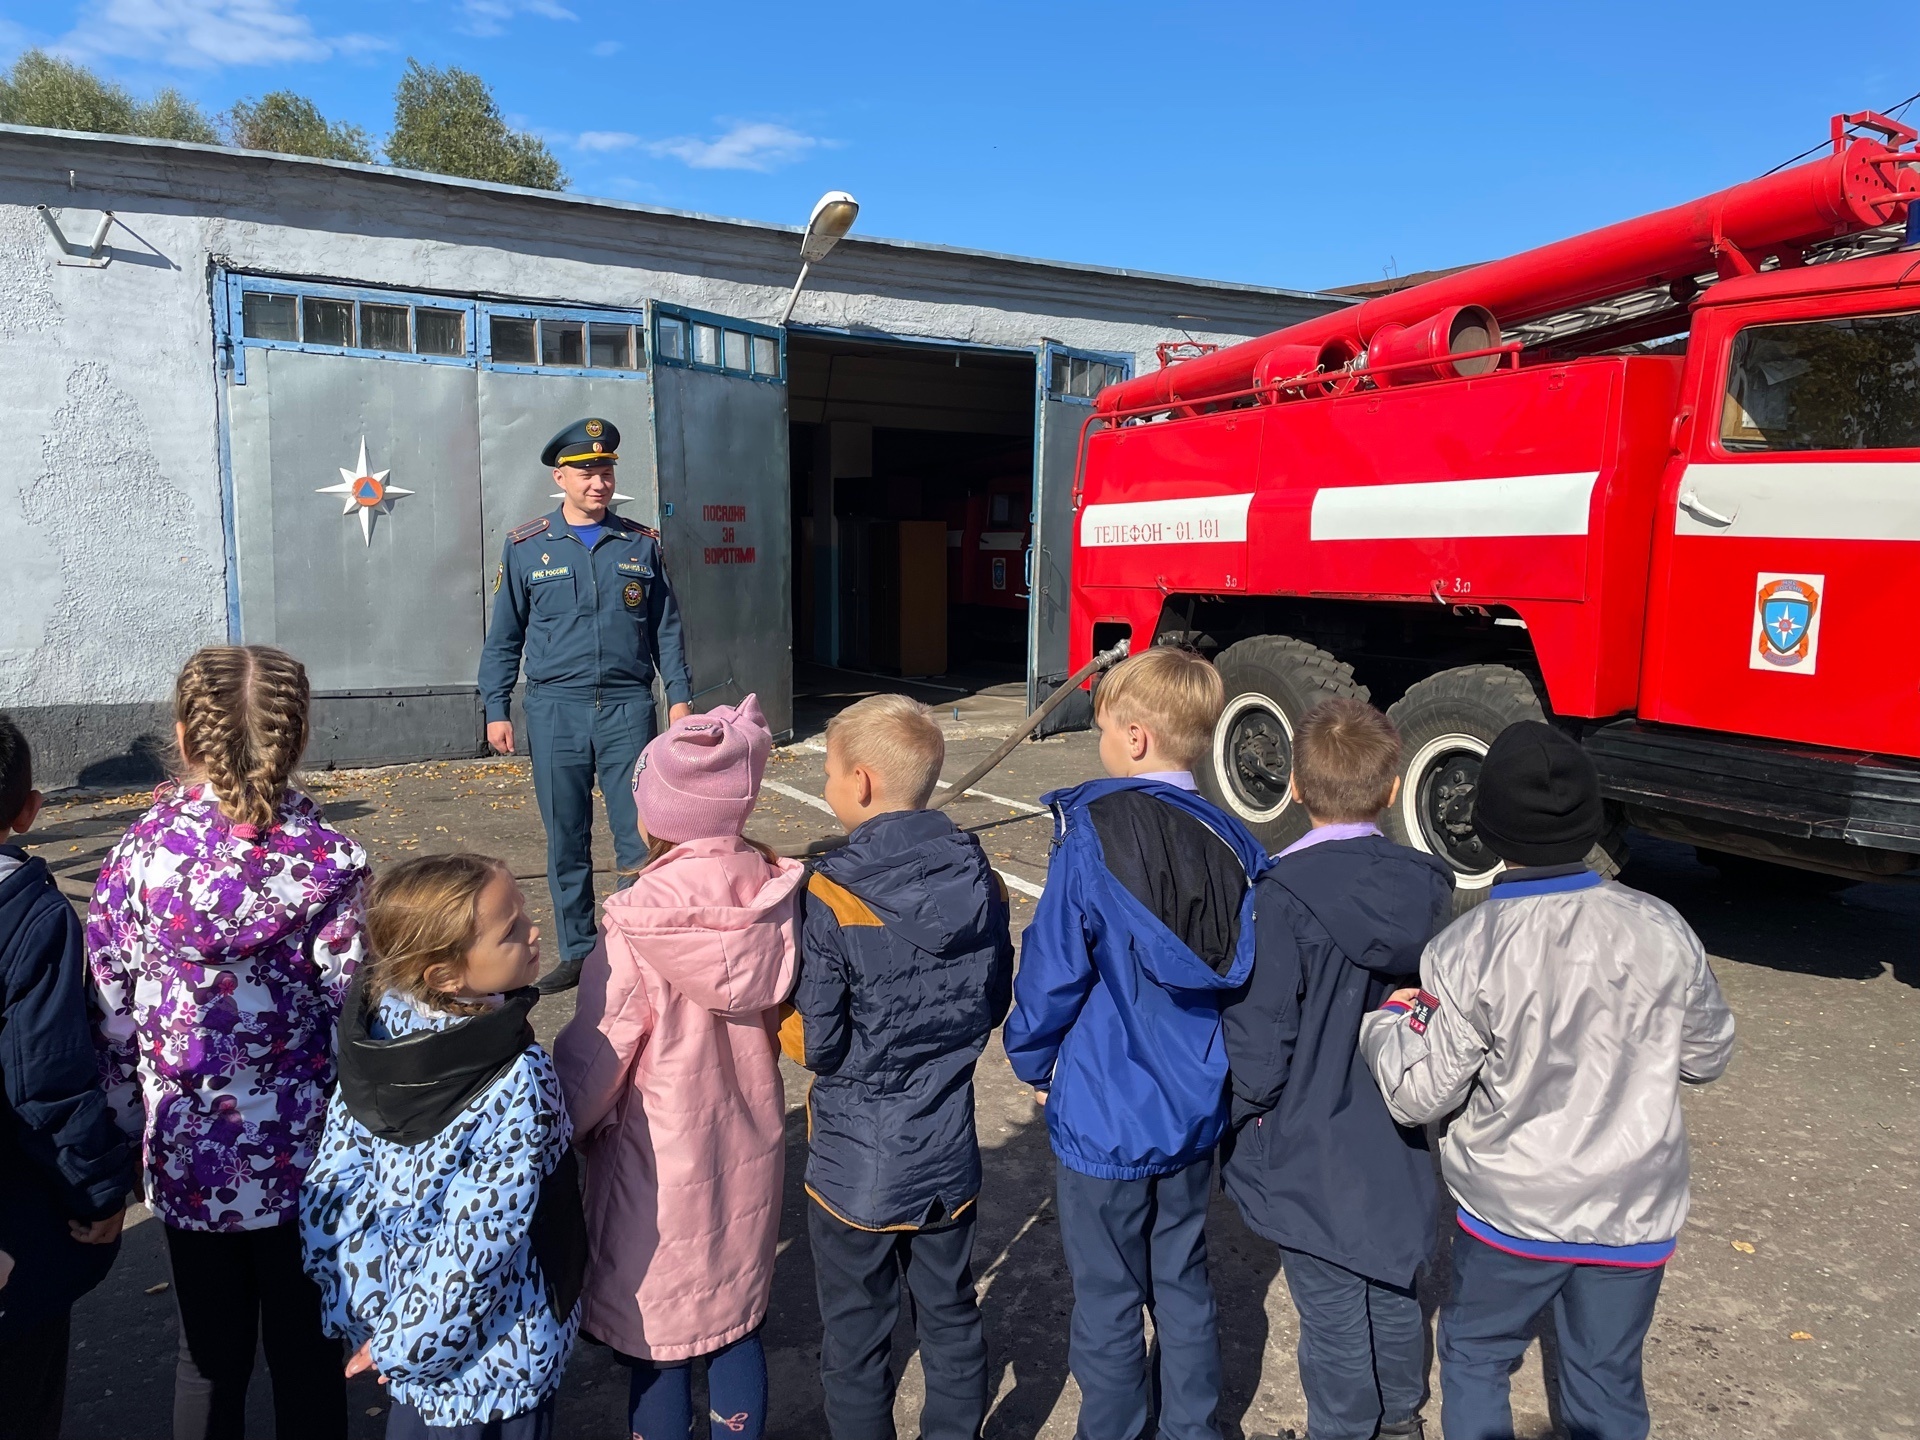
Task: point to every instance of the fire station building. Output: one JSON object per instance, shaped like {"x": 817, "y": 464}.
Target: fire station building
{"x": 204, "y": 349}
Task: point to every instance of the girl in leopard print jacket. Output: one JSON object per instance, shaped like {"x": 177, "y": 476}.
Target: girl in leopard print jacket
{"x": 442, "y": 1219}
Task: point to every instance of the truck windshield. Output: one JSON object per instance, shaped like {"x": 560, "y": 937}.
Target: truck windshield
{"x": 1848, "y": 384}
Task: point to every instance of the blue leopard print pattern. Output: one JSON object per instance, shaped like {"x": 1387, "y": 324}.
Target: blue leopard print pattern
{"x": 424, "y": 1249}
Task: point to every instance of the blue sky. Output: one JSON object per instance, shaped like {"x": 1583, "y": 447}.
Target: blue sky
{"x": 1277, "y": 144}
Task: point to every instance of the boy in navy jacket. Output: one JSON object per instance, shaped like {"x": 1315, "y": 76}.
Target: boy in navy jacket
{"x": 1144, "y": 930}
{"x": 1316, "y": 1163}
{"x": 65, "y": 1167}
{"x": 906, "y": 968}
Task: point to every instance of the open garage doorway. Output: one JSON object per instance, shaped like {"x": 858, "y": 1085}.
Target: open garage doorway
{"x": 912, "y": 513}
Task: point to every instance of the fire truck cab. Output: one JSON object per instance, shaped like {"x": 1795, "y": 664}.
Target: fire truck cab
{"x": 1693, "y": 554}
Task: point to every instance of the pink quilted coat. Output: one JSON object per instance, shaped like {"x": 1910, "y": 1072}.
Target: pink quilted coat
{"x": 671, "y": 1078}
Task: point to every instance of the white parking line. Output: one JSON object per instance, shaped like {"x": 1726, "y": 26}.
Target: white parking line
{"x": 1014, "y": 882}
{"x": 1023, "y": 806}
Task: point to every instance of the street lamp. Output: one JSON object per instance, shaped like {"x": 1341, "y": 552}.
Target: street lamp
{"x": 833, "y": 216}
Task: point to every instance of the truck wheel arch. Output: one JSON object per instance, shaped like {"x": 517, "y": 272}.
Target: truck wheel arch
{"x": 1271, "y": 681}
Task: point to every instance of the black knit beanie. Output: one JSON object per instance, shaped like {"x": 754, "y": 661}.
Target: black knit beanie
{"x": 1538, "y": 800}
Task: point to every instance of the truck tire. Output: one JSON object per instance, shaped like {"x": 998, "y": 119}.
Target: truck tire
{"x": 1272, "y": 681}
{"x": 1446, "y": 723}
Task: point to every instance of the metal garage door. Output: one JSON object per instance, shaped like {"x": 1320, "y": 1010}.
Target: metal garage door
{"x": 720, "y": 418}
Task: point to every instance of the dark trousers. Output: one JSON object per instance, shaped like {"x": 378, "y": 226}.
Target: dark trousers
{"x": 245, "y": 1287}
{"x": 660, "y": 1397}
{"x": 1363, "y": 1348}
{"x": 1600, "y": 1315}
{"x": 572, "y": 743}
{"x": 33, "y": 1379}
{"x": 406, "y": 1423}
{"x": 859, "y": 1275}
{"x": 1132, "y": 1244}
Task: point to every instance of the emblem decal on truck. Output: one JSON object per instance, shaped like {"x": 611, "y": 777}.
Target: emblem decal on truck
{"x": 1786, "y": 622}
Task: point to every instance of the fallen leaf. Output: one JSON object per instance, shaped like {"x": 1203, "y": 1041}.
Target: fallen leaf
{"x": 1745, "y": 1247}
{"x": 159, "y": 1289}
{"x": 1800, "y": 1335}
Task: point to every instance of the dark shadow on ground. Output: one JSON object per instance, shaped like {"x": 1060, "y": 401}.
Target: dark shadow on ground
{"x": 1854, "y": 933}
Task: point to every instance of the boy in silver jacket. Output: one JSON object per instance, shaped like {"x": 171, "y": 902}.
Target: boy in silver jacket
{"x": 1559, "y": 1021}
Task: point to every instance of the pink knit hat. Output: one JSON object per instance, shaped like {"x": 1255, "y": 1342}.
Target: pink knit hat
{"x": 702, "y": 776}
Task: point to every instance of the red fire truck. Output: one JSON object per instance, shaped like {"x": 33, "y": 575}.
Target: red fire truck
{"x": 1658, "y": 484}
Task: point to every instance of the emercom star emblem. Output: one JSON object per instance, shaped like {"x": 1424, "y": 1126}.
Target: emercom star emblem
{"x": 365, "y": 491}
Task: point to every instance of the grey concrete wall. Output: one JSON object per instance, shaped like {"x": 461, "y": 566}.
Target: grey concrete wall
{"x": 111, "y": 496}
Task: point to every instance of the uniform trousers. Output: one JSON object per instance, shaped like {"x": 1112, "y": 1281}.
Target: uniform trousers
{"x": 1600, "y": 1316}
{"x": 860, "y": 1275}
{"x": 1363, "y": 1348}
{"x": 1135, "y": 1245}
{"x": 573, "y": 742}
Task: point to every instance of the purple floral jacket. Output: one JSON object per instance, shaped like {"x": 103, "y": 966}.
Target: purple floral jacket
{"x": 220, "y": 964}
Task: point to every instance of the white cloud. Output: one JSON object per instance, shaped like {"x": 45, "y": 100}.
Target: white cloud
{"x": 203, "y": 34}
{"x": 749, "y": 145}
{"x": 608, "y": 47}
{"x": 602, "y": 140}
{"x": 490, "y": 17}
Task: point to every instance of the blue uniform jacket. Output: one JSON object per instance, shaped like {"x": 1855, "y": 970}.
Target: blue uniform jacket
{"x": 1315, "y": 1161}
{"x": 61, "y": 1155}
{"x": 591, "y": 622}
{"x": 906, "y": 968}
{"x": 1113, "y": 1014}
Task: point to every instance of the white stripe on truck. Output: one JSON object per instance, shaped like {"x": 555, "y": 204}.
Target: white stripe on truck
{"x": 1513, "y": 505}
{"x": 1203, "y": 520}
{"x": 1764, "y": 498}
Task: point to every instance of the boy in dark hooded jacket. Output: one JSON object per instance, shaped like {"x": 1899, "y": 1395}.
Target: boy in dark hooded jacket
{"x": 1316, "y": 1163}
{"x": 906, "y": 968}
{"x": 65, "y": 1166}
{"x": 1144, "y": 931}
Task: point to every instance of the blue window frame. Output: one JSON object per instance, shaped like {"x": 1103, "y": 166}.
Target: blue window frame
{"x": 259, "y": 312}
{"x": 1077, "y": 376}
{"x": 697, "y": 340}
{"x": 563, "y": 340}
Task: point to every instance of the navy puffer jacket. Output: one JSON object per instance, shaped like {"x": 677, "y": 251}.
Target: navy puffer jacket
{"x": 906, "y": 968}
{"x": 1315, "y": 1161}
{"x": 61, "y": 1155}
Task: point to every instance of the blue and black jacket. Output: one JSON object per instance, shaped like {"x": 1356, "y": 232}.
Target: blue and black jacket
{"x": 906, "y": 968}
{"x": 1121, "y": 981}
{"x": 62, "y": 1157}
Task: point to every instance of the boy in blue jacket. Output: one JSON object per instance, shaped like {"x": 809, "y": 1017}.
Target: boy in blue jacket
{"x": 906, "y": 968}
{"x": 65, "y": 1167}
{"x": 1316, "y": 1163}
{"x": 1145, "y": 928}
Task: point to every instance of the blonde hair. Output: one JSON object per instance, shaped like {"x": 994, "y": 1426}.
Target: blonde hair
{"x": 243, "y": 710}
{"x": 897, "y": 739}
{"x": 1175, "y": 693}
{"x": 1345, "y": 755}
{"x": 423, "y": 914}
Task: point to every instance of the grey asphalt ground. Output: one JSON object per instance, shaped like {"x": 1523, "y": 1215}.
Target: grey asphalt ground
{"x": 1790, "y": 1310}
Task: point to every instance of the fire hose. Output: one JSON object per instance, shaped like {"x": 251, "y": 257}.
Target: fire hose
{"x": 1103, "y": 661}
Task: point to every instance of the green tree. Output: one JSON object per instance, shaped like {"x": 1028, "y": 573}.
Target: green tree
{"x": 448, "y": 122}
{"x": 172, "y": 116}
{"x": 59, "y": 95}
{"x": 293, "y": 125}
{"x": 42, "y": 90}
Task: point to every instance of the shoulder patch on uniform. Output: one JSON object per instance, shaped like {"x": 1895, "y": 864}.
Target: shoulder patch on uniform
{"x": 847, "y": 907}
{"x": 636, "y": 528}
{"x": 528, "y": 530}
{"x": 1420, "y": 1012}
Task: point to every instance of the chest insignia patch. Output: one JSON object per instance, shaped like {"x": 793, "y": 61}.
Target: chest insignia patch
{"x": 634, "y": 594}
{"x": 557, "y": 572}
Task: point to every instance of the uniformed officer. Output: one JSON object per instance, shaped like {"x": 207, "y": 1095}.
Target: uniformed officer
{"x": 584, "y": 593}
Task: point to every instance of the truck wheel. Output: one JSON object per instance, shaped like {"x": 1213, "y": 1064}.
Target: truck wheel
{"x": 1446, "y": 723}
{"x": 1272, "y": 682}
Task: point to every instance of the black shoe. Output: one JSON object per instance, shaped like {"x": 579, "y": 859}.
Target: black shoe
{"x": 1412, "y": 1428}
{"x": 564, "y": 976}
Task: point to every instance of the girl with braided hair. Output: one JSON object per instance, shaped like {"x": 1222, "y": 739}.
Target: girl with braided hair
{"x": 223, "y": 932}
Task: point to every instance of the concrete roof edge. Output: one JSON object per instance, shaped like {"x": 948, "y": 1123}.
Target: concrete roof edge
{"x": 564, "y": 197}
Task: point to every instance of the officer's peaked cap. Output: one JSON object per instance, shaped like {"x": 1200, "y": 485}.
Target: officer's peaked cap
{"x": 585, "y": 442}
